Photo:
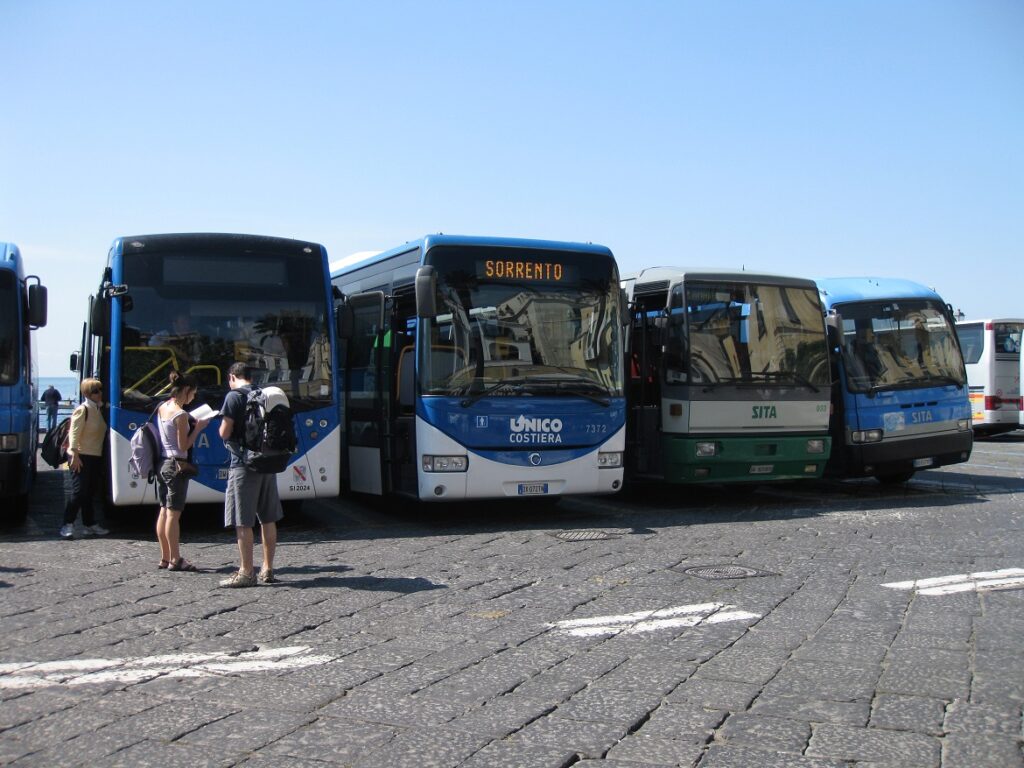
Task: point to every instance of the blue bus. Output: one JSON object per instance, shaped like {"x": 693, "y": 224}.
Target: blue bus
{"x": 196, "y": 303}
{"x": 22, "y": 310}
{"x": 476, "y": 368}
{"x": 900, "y": 396}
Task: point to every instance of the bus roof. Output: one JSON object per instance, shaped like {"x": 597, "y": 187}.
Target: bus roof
{"x": 364, "y": 258}
{"x": 10, "y": 258}
{"x": 843, "y": 290}
{"x": 210, "y": 240}
{"x": 991, "y": 320}
{"x": 657, "y": 279}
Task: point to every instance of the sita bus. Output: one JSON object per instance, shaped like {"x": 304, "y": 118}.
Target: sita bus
{"x": 899, "y": 385}
{"x": 22, "y": 310}
{"x": 196, "y": 303}
{"x": 992, "y": 354}
{"x": 482, "y": 368}
{"x": 729, "y": 377}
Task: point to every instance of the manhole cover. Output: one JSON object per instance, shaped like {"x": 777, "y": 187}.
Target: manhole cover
{"x": 713, "y": 572}
{"x": 582, "y": 535}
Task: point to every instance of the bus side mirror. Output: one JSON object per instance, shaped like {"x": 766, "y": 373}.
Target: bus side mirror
{"x": 834, "y": 341}
{"x": 426, "y": 292}
{"x": 73, "y": 362}
{"x": 37, "y": 305}
{"x": 344, "y": 321}
{"x": 660, "y": 330}
{"x": 99, "y": 316}
{"x": 627, "y": 314}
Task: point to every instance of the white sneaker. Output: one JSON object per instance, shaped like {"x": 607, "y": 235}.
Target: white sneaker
{"x": 67, "y": 531}
{"x": 95, "y": 530}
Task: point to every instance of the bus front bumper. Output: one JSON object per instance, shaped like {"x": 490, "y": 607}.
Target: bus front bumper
{"x": 740, "y": 459}
{"x": 896, "y": 457}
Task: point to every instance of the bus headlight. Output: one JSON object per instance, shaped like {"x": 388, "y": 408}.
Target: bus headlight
{"x": 609, "y": 460}
{"x": 707, "y": 449}
{"x": 815, "y": 446}
{"x": 445, "y": 463}
{"x": 963, "y": 424}
{"x": 9, "y": 442}
{"x": 866, "y": 436}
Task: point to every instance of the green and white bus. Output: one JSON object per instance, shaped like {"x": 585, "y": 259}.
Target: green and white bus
{"x": 729, "y": 378}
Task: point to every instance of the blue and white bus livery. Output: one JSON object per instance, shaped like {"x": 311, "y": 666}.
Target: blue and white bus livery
{"x": 197, "y": 303}
{"x": 899, "y": 385}
{"x": 22, "y": 310}
{"x": 482, "y": 368}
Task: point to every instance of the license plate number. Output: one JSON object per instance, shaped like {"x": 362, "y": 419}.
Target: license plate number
{"x": 533, "y": 489}
{"x": 761, "y": 469}
{"x": 918, "y": 463}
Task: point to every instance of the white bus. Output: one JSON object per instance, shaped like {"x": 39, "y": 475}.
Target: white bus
{"x": 992, "y": 354}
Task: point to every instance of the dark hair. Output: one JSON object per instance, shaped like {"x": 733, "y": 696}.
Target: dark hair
{"x": 182, "y": 381}
{"x": 241, "y": 371}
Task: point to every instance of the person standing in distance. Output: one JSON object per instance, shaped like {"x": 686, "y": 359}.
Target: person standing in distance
{"x": 52, "y": 399}
{"x": 85, "y": 459}
{"x": 250, "y": 495}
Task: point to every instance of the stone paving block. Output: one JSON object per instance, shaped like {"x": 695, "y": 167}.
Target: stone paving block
{"x": 896, "y": 712}
{"x": 728, "y": 756}
{"x": 651, "y": 749}
{"x": 435, "y": 748}
{"x": 963, "y": 717}
{"x": 818, "y": 678}
{"x": 158, "y": 754}
{"x": 763, "y": 732}
{"x": 504, "y": 715}
{"x": 609, "y": 706}
{"x": 331, "y": 740}
{"x": 715, "y": 694}
{"x": 249, "y": 730}
{"x": 977, "y": 751}
{"x": 844, "y": 653}
{"x": 682, "y": 721}
{"x": 505, "y": 754}
{"x": 911, "y": 750}
{"x": 943, "y": 682}
{"x": 851, "y": 713}
{"x": 404, "y": 711}
{"x": 587, "y": 739}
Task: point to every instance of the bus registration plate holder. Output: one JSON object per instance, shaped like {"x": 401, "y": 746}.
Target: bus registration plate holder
{"x": 921, "y": 463}
{"x": 533, "y": 489}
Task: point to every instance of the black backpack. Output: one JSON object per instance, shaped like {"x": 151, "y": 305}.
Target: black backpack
{"x": 268, "y": 437}
{"x": 55, "y": 443}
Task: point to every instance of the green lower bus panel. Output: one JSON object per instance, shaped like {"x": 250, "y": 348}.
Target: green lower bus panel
{"x": 728, "y": 459}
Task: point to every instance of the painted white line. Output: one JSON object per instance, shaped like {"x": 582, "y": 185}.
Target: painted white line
{"x": 649, "y": 621}
{"x": 86, "y": 671}
{"x": 980, "y": 581}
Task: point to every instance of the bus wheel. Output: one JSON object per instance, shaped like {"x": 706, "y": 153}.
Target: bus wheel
{"x": 19, "y": 509}
{"x": 899, "y": 477}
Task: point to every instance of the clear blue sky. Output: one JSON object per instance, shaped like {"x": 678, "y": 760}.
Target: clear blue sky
{"x": 811, "y": 138}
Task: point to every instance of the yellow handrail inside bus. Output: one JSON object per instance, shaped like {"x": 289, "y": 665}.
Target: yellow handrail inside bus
{"x": 171, "y": 360}
{"x": 213, "y": 368}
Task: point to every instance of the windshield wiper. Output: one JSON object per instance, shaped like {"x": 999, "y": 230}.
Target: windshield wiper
{"x": 896, "y": 385}
{"x": 571, "y": 385}
{"x": 476, "y": 396}
{"x": 945, "y": 379}
{"x": 790, "y": 377}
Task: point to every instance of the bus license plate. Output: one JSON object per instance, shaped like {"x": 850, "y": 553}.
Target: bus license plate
{"x": 533, "y": 489}
{"x": 919, "y": 463}
{"x": 761, "y": 469}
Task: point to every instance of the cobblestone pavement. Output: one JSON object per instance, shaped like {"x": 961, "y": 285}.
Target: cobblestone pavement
{"x": 529, "y": 635}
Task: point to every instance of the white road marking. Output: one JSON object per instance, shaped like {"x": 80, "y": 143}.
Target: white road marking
{"x": 649, "y": 621}
{"x": 85, "y": 671}
{"x": 981, "y": 581}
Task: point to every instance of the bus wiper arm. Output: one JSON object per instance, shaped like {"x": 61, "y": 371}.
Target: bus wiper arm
{"x": 576, "y": 385}
{"x": 470, "y": 399}
{"x": 793, "y": 378}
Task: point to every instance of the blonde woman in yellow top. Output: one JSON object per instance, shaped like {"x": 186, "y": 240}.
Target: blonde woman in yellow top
{"x": 85, "y": 459}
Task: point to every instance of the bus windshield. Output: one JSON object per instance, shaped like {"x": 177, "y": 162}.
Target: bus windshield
{"x": 10, "y": 333}
{"x": 895, "y": 344}
{"x": 546, "y": 322}
{"x": 743, "y": 333}
{"x": 198, "y": 312}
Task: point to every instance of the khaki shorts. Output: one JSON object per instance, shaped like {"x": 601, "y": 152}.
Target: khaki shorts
{"x": 250, "y": 496}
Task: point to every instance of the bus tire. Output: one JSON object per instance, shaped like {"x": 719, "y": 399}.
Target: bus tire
{"x": 19, "y": 509}
{"x": 895, "y": 478}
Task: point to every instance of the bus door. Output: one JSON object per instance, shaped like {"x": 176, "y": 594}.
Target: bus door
{"x": 365, "y": 401}
{"x": 401, "y": 456}
{"x": 644, "y": 393}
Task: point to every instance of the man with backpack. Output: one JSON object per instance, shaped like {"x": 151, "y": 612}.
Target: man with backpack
{"x": 251, "y": 494}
